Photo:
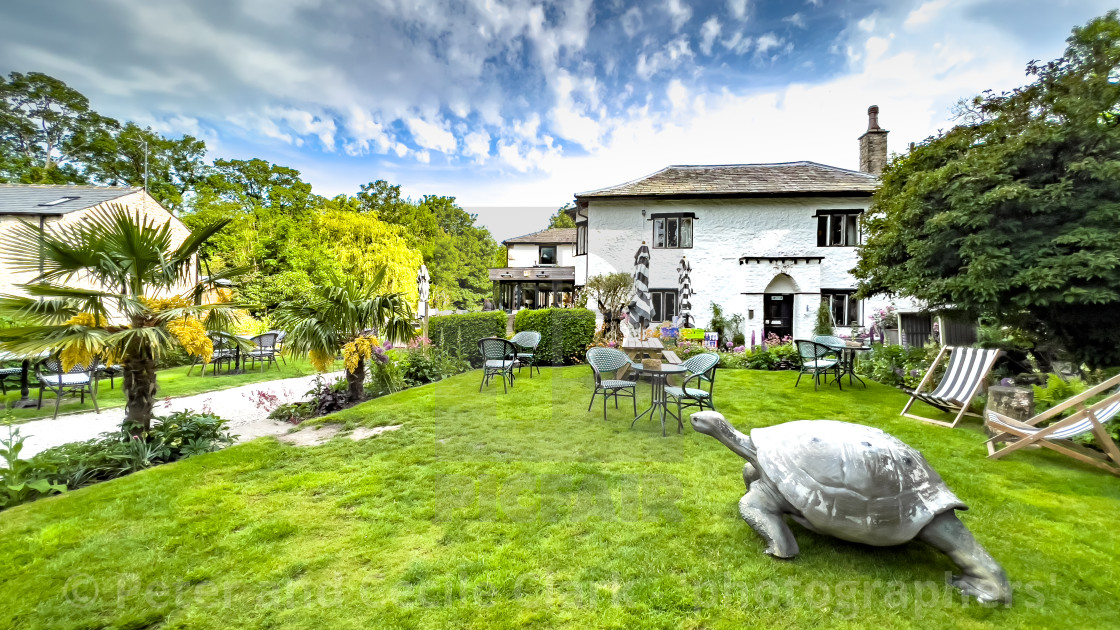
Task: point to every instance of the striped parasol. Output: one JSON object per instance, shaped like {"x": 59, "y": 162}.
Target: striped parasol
{"x": 684, "y": 286}
{"x": 423, "y": 283}
{"x": 640, "y": 310}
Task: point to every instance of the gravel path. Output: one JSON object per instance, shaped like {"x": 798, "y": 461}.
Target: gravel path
{"x": 246, "y": 420}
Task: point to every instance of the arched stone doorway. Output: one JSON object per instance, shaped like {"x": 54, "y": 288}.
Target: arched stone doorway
{"x": 777, "y": 306}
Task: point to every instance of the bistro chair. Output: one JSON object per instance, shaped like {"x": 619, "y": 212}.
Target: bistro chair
{"x": 79, "y": 378}
{"x": 225, "y": 351}
{"x": 527, "y": 342}
{"x": 264, "y": 352}
{"x": 608, "y": 361}
{"x": 817, "y": 359}
{"x": 701, "y": 370}
{"x": 7, "y": 373}
{"x": 499, "y": 356}
{"x": 280, "y": 335}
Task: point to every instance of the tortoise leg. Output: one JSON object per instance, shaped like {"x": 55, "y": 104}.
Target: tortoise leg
{"x": 763, "y": 513}
{"x": 981, "y": 576}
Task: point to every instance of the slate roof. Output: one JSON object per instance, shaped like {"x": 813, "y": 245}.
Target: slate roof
{"x": 743, "y": 180}
{"x": 546, "y": 237}
{"x": 28, "y": 198}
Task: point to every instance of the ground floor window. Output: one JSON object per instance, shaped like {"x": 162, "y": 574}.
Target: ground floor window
{"x": 843, "y": 305}
{"x": 516, "y": 295}
{"x": 664, "y": 304}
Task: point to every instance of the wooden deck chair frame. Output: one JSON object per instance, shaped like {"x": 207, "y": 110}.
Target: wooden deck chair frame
{"x": 1019, "y": 434}
{"x": 967, "y": 400}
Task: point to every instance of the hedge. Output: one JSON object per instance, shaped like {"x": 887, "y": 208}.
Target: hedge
{"x": 459, "y": 334}
{"x": 565, "y": 332}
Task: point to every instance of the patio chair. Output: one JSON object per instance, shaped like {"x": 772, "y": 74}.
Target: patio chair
{"x": 224, "y": 352}
{"x": 527, "y": 342}
{"x": 1092, "y": 419}
{"x": 968, "y": 367}
{"x": 499, "y": 356}
{"x": 829, "y": 340}
{"x": 79, "y": 379}
{"x": 609, "y": 361}
{"x": 264, "y": 352}
{"x": 817, "y": 359}
{"x": 7, "y": 373}
{"x": 280, "y": 335}
{"x": 112, "y": 371}
{"x": 701, "y": 369}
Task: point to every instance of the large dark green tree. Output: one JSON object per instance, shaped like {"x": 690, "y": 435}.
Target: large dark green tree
{"x": 42, "y": 122}
{"x": 1015, "y": 212}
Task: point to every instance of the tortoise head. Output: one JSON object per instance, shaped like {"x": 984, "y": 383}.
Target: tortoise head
{"x": 714, "y": 424}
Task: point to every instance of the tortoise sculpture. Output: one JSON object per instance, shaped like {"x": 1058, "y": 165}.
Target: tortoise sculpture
{"x": 856, "y": 483}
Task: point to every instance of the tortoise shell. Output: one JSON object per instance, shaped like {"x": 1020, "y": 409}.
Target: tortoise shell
{"x": 852, "y": 481}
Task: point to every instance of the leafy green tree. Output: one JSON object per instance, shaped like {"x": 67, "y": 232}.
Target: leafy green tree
{"x": 561, "y": 218}
{"x": 824, "y": 321}
{"x": 42, "y": 120}
{"x": 137, "y": 264}
{"x": 611, "y": 292}
{"x": 1014, "y": 213}
{"x": 346, "y": 315}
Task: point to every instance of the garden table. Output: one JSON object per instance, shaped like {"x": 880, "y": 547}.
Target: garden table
{"x": 636, "y": 349}
{"x": 657, "y": 378}
{"x": 848, "y": 361}
{"x": 24, "y": 369}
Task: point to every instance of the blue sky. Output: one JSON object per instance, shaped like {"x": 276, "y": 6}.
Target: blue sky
{"x": 514, "y": 105}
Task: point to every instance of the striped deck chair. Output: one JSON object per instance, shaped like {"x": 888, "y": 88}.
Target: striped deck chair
{"x": 968, "y": 367}
{"x": 1092, "y": 419}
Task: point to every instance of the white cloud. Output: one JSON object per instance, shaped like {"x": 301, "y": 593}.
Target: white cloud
{"x": 709, "y": 31}
{"x": 738, "y": 43}
{"x": 667, "y": 58}
{"x": 815, "y": 3}
{"x": 477, "y": 145}
{"x": 305, "y": 123}
{"x": 925, "y": 13}
{"x": 796, "y": 19}
{"x": 738, "y": 9}
{"x": 631, "y": 21}
{"x": 767, "y": 42}
{"x": 679, "y": 13}
{"x": 677, "y": 94}
{"x": 431, "y": 135}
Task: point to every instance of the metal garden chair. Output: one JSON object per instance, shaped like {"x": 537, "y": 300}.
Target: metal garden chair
{"x": 527, "y": 342}
{"x": 701, "y": 369}
{"x": 499, "y": 356}
{"x": 79, "y": 379}
{"x": 264, "y": 352}
{"x": 817, "y": 359}
{"x": 608, "y": 361}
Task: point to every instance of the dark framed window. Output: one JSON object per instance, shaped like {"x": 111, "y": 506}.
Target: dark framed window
{"x": 547, "y": 255}
{"x": 672, "y": 232}
{"x": 843, "y": 305}
{"x": 838, "y": 229}
{"x": 581, "y": 239}
{"x": 664, "y": 304}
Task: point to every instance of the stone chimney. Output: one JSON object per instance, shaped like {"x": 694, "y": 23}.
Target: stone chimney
{"x": 873, "y": 144}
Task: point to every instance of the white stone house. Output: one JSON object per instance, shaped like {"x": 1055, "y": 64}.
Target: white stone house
{"x": 542, "y": 270}
{"x": 770, "y": 242}
{"x": 51, "y": 205}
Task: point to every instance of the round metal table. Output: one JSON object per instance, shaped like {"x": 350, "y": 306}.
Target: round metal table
{"x": 848, "y": 361}
{"x": 657, "y": 378}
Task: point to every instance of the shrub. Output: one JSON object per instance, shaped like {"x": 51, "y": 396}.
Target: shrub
{"x": 565, "y": 332}
{"x": 897, "y": 366}
{"x": 427, "y": 365}
{"x": 458, "y": 335}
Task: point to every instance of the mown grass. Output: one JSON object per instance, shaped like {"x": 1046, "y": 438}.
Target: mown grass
{"x": 173, "y": 382}
{"x": 488, "y": 510}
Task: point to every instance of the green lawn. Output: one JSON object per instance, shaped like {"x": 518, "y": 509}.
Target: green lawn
{"x": 524, "y": 510}
{"x": 173, "y": 382}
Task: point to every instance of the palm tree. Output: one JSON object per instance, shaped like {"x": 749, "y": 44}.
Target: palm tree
{"x": 346, "y": 315}
{"x": 135, "y": 313}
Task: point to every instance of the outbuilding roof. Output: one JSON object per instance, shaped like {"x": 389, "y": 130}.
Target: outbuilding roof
{"x": 558, "y": 236}
{"x": 743, "y": 180}
{"x": 31, "y": 199}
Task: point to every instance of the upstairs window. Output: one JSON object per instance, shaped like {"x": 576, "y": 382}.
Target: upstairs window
{"x": 672, "y": 232}
{"x": 547, "y": 255}
{"x": 838, "y": 229}
{"x": 581, "y": 239}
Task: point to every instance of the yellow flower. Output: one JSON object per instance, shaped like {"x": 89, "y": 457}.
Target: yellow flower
{"x": 77, "y": 354}
{"x": 322, "y": 361}
{"x": 356, "y": 350}
{"x": 192, "y": 336}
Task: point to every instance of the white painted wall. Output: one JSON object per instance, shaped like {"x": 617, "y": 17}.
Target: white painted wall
{"x": 724, "y": 231}
{"x": 527, "y": 255}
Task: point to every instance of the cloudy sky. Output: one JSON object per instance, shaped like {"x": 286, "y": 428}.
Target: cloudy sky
{"x": 509, "y": 104}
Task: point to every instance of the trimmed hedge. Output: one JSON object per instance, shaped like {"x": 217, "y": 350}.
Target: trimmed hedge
{"x": 459, "y": 334}
{"x": 565, "y": 332}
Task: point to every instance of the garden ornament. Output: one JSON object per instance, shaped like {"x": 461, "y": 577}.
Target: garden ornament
{"x": 856, "y": 483}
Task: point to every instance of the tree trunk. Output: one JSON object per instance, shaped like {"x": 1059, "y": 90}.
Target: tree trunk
{"x": 140, "y": 387}
{"x": 355, "y": 382}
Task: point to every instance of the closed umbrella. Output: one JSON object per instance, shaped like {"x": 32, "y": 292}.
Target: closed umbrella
{"x": 640, "y": 310}
{"x": 684, "y": 285}
{"x": 424, "y": 284}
